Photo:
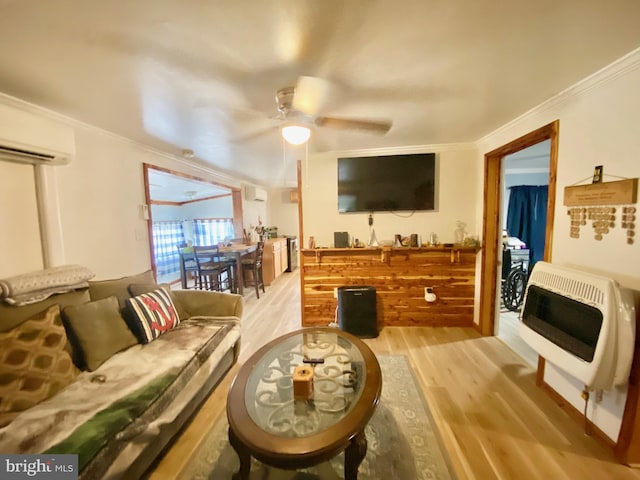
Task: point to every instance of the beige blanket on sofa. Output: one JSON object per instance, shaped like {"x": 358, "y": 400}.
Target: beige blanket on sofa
{"x": 35, "y": 286}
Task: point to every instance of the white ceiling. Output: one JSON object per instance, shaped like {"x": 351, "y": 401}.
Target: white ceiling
{"x": 202, "y": 75}
{"x": 168, "y": 187}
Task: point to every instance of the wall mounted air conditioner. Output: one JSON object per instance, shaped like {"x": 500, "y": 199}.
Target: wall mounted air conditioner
{"x": 254, "y": 194}
{"x": 29, "y": 138}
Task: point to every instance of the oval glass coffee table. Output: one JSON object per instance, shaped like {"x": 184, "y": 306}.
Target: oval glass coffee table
{"x": 267, "y": 423}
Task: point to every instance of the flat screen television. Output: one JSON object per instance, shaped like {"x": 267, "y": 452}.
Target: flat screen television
{"x": 387, "y": 183}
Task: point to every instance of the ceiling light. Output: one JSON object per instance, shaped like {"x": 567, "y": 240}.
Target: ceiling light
{"x": 296, "y": 134}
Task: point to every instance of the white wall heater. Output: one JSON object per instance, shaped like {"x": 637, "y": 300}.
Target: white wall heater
{"x": 582, "y": 323}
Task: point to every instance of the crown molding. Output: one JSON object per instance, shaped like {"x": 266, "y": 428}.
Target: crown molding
{"x": 407, "y": 149}
{"x": 609, "y": 73}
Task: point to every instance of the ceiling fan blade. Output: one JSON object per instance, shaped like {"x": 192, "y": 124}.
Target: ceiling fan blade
{"x": 379, "y": 127}
{"x": 312, "y": 94}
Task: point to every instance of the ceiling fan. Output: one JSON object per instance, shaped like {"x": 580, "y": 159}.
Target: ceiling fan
{"x": 300, "y": 107}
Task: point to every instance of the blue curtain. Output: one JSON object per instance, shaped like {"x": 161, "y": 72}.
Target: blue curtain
{"x": 212, "y": 231}
{"x": 527, "y": 217}
{"x": 166, "y": 238}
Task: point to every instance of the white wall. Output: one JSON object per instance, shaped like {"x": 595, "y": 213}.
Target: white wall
{"x": 213, "y": 208}
{"x": 283, "y": 213}
{"x": 166, "y": 213}
{"x": 19, "y": 231}
{"x": 599, "y": 125}
{"x": 254, "y": 211}
{"x": 100, "y": 196}
{"x": 457, "y": 193}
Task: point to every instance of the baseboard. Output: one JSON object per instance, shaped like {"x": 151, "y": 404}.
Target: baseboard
{"x": 590, "y": 428}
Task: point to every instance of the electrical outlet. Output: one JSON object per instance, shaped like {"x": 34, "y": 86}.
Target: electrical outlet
{"x": 599, "y": 395}
{"x": 335, "y": 292}
{"x": 429, "y": 294}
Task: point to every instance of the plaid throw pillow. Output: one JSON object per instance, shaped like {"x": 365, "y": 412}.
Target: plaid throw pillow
{"x": 151, "y": 314}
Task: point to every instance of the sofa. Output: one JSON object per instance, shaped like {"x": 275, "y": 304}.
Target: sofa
{"x": 109, "y": 370}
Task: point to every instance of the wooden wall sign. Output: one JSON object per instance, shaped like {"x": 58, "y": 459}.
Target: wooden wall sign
{"x": 621, "y": 192}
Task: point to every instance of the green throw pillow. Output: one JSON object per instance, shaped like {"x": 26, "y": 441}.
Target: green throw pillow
{"x": 119, "y": 287}
{"x": 97, "y": 330}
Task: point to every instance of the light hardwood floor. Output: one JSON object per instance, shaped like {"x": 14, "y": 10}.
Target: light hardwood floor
{"x": 494, "y": 421}
{"x": 508, "y": 332}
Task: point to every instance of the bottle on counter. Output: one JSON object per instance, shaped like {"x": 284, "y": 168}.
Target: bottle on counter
{"x": 433, "y": 239}
{"x": 459, "y": 233}
{"x": 373, "y": 241}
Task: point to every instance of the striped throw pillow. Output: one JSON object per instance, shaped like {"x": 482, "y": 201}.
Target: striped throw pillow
{"x": 151, "y": 314}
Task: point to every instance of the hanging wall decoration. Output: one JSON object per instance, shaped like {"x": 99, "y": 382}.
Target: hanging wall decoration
{"x": 602, "y": 203}
{"x": 629, "y": 222}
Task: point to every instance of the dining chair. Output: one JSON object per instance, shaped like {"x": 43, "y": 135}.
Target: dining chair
{"x": 214, "y": 273}
{"x": 253, "y": 264}
{"x": 189, "y": 264}
{"x": 230, "y": 259}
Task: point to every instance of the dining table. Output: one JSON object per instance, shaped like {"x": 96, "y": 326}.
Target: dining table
{"x": 236, "y": 252}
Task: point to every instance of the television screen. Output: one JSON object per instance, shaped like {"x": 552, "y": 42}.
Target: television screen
{"x": 386, "y": 183}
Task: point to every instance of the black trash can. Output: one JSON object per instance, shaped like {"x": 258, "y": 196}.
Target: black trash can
{"x": 357, "y": 313}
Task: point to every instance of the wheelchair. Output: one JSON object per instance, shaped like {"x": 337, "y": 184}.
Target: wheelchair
{"x": 515, "y": 275}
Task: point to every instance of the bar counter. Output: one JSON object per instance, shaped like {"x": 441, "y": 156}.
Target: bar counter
{"x": 399, "y": 275}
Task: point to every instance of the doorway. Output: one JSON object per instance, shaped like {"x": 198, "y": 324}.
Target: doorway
{"x": 524, "y": 180}
{"x": 183, "y": 208}
{"x": 492, "y": 228}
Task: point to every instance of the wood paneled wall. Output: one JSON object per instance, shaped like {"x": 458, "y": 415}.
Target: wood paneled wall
{"x": 399, "y": 276}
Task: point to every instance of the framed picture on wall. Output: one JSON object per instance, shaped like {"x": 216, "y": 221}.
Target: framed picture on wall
{"x": 597, "y": 174}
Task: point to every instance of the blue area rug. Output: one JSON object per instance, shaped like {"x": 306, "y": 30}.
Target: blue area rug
{"x": 402, "y": 441}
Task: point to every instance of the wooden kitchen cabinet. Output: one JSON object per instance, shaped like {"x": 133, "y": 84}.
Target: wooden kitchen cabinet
{"x": 274, "y": 260}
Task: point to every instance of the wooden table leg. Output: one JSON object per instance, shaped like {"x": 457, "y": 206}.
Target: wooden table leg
{"x": 183, "y": 273}
{"x": 353, "y": 456}
{"x": 239, "y": 273}
{"x": 243, "y": 455}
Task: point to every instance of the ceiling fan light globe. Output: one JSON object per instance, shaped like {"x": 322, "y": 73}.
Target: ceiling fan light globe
{"x": 296, "y": 134}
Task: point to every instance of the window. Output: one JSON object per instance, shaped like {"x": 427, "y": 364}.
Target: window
{"x": 211, "y": 231}
{"x": 167, "y": 236}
